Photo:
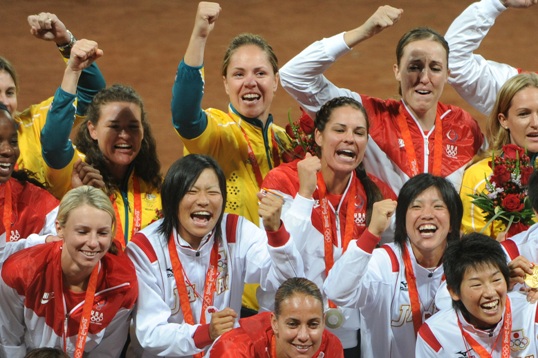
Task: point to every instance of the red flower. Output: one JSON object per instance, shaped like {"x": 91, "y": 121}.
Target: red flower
{"x": 289, "y": 131}
{"x": 510, "y": 151}
{"x": 306, "y": 123}
{"x": 516, "y": 228}
{"x": 525, "y": 175}
{"x": 500, "y": 174}
{"x": 511, "y": 202}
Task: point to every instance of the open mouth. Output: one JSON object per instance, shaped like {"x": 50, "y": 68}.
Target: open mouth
{"x": 491, "y": 307}
{"x": 347, "y": 153}
{"x": 6, "y": 166}
{"x": 90, "y": 253}
{"x": 250, "y": 97}
{"x": 201, "y": 217}
{"x": 427, "y": 230}
{"x": 423, "y": 92}
{"x": 123, "y": 146}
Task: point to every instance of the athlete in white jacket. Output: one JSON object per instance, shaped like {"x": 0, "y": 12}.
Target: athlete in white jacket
{"x": 174, "y": 258}
{"x": 475, "y": 78}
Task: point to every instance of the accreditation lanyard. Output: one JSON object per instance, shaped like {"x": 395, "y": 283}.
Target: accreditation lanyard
{"x": 137, "y": 214}
{"x": 410, "y": 147}
{"x": 8, "y": 210}
{"x": 210, "y": 284}
{"x": 412, "y": 289}
{"x": 505, "y": 333}
{"x": 84, "y": 325}
{"x": 327, "y": 222}
{"x": 252, "y": 158}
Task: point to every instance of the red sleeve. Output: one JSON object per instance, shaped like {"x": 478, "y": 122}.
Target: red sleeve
{"x": 332, "y": 347}
{"x": 232, "y": 345}
{"x": 201, "y": 336}
{"x": 278, "y": 238}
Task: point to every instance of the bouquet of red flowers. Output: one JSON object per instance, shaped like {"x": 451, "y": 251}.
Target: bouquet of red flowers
{"x": 301, "y": 133}
{"x": 506, "y": 198}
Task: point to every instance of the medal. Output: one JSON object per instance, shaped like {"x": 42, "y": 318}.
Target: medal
{"x": 532, "y": 280}
{"x": 334, "y": 318}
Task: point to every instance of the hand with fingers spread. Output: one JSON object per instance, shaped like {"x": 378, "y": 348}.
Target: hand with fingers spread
{"x": 270, "y": 209}
{"x": 382, "y": 212}
{"x": 221, "y": 322}
{"x": 85, "y": 174}
{"x": 307, "y": 170}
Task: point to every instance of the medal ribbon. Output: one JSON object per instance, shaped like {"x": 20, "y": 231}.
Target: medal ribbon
{"x": 209, "y": 286}
{"x": 410, "y": 147}
{"x": 8, "y": 210}
{"x": 327, "y": 223}
{"x": 273, "y": 346}
{"x": 84, "y": 325}
{"x": 505, "y": 333}
{"x": 252, "y": 158}
{"x": 413, "y": 291}
{"x": 137, "y": 215}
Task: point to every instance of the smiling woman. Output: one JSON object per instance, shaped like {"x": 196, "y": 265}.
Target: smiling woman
{"x": 77, "y": 293}
{"x": 115, "y": 138}
{"x": 193, "y": 263}
{"x": 244, "y": 140}
{"x": 395, "y": 286}
{"x": 486, "y": 320}
{"x": 416, "y": 134}
{"x": 296, "y": 328}
{"x": 329, "y": 199}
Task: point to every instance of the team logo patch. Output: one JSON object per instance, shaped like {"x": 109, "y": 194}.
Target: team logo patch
{"x": 360, "y": 219}
{"x": 47, "y": 296}
{"x": 401, "y": 143}
{"x": 15, "y": 235}
{"x": 451, "y": 151}
{"x": 403, "y": 286}
{"x": 518, "y": 341}
{"x": 96, "y": 317}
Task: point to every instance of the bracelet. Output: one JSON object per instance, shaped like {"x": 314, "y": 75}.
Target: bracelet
{"x": 66, "y": 48}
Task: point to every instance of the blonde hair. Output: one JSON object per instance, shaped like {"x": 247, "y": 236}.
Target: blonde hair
{"x": 86, "y": 195}
{"x": 496, "y": 135}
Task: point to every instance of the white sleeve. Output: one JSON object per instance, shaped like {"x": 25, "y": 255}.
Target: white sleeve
{"x": 12, "y": 334}
{"x": 476, "y": 79}
{"x": 302, "y": 77}
{"x": 347, "y": 278}
{"x": 155, "y": 334}
{"x": 12, "y": 247}
{"x": 265, "y": 264}
{"x": 49, "y": 228}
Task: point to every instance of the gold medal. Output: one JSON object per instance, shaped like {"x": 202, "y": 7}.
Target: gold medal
{"x": 532, "y": 280}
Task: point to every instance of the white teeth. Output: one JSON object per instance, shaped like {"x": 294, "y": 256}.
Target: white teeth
{"x": 423, "y": 92}
{"x": 427, "y": 227}
{"x": 251, "y": 96}
{"x": 126, "y": 146}
{"x": 346, "y": 152}
{"x": 490, "y": 305}
{"x": 5, "y": 165}
{"x": 90, "y": 253}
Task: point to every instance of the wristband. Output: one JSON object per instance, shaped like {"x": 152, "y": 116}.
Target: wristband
{"x": 65, "y": 49}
